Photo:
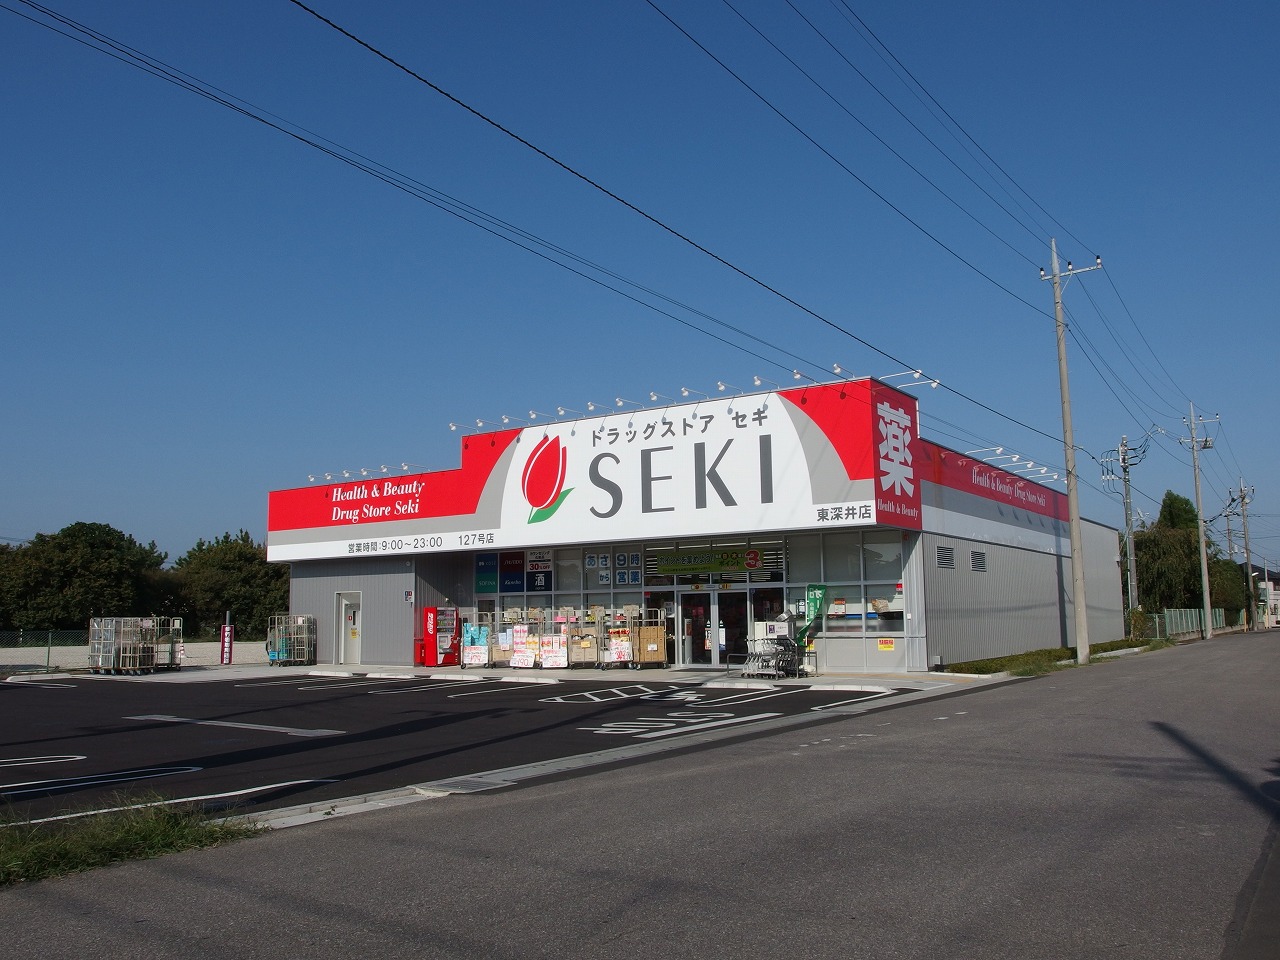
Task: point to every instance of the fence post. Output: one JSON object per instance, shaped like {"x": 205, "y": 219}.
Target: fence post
{"x": 48, "y": 653}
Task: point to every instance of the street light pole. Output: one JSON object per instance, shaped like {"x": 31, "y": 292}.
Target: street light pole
{"x": 1078, "y": 603}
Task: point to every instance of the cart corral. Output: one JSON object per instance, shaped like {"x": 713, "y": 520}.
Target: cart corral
{"x": 135, "y": 645}
{"x": 291, "y": 640}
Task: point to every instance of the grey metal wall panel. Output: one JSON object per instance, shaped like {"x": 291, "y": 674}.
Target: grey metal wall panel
{"x": 957, "y": 513}
{"x": 1102, "y": 579}
{"x": 1017, "y": 604}
{"x": 387, "y": 629}
{"x": 1023, "y": 601}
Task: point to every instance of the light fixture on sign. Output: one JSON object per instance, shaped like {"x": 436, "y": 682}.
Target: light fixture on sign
{"x": 685, "y": 391}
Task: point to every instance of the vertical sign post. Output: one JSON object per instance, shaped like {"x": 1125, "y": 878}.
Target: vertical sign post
{"x": 228, "y": 637}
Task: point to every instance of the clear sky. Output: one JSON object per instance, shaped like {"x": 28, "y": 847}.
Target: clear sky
{"x": 199, "y": 308}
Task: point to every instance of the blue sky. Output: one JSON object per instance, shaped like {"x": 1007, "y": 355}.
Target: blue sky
{"x": 199, "y": 308}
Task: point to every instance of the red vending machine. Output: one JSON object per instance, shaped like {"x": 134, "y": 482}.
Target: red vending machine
{"x": 441, "y": 641}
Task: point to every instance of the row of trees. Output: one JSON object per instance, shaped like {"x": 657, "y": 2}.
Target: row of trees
{"x": 1167, "y": 553}
{"x": 58, "y": 581}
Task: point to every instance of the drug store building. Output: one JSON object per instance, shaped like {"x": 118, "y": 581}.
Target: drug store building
{"x": 716, "y": 517}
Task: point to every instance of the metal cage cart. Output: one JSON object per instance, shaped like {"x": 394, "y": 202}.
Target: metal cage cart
{"x": 619, "y": 638}
{"x": 651, "y": 645}
{"x": 479, "y": 643}
{"x": 291, "y": 640}
{"x": 135, "y": 644}
{"x": 584, "y": 647}
{"x": 525, "y": 644}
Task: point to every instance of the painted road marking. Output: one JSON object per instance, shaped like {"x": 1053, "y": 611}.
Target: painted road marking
{"x": 71, "y": 783}
{"x": 36, "y": 761}
{"x": 845, "y": 703}
{"x": 208, "y": 796}
{"x": 741, "y": 697}
{"x": 507, "y": 686}
{"x": 289, "y": 731}
{"x": 648, "y": 728}
{"x": 382, "y": 681}
{"x": 611, "y": 693}
{"x": 437, "y": 685}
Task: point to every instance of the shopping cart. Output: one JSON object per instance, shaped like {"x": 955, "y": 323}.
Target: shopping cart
{"x": 771, "y": 657}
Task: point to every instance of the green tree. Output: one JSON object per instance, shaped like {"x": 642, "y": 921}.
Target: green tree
{"x": 1168, "y": 558}
{"x": 232, "y": 573}
{"x": 6, "y": 557}
{"x": 1177, "y": 513}
{"x": 58, "y": 581}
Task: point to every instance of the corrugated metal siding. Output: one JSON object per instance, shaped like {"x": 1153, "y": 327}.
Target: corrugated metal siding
{"x": 1102, "y": 577}
{"x": 1023, "y": 600}
{"x": 387, "y": 619}
{"x": 1018, "y": 604}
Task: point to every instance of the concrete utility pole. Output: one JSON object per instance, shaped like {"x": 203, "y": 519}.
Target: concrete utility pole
{"x": 1129, "y": 456}
{"x": 1206, "y": 629}
{"x": 1245, "y": 497}
{"x": 1078, "y": 603}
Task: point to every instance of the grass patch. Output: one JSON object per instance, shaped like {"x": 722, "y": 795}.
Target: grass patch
{"x": 1034, "y": 663}
{"x": 37, "y": 851}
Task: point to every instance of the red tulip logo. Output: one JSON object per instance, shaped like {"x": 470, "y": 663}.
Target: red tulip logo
{"x": 543, "y": 478}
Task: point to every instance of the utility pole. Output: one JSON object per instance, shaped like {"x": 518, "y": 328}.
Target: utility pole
{"x": 1245, "y": 497}
{"x": 1207, "y": 627}
{"x": 1078, "y": 604}
{"x": 1128, "y": 457}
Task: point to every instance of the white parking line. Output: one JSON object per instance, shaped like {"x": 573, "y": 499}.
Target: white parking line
{"x": 36, "y": 761}
{"x": 290, "y": 731}
{"x": 161, "y": 803}
{"x": 71, "y": 783}
{"x": 382, "y": 681}
{"x": 705, "y": 726}
{"x": 439, "y": 685}
{"x": 503, "y": 688}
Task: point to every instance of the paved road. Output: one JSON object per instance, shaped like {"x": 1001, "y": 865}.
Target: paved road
{"x": 77, "y": 743}
{"x": 1124, "y": 810}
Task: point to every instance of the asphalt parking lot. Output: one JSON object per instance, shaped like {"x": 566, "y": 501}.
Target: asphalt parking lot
{"x": 262, "y": 743}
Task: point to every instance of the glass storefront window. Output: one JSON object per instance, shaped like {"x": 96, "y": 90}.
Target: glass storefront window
{"x": 841, "y": 557}
{"x": 568, "y": 571}
{"x": 845, "y": 612}
{"x": 804, "y": 559}
{"x": 882, "y": 554}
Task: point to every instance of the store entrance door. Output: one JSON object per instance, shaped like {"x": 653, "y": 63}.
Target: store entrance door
{"x": 713, "y": 628}
{"x": 347, "y": 647}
